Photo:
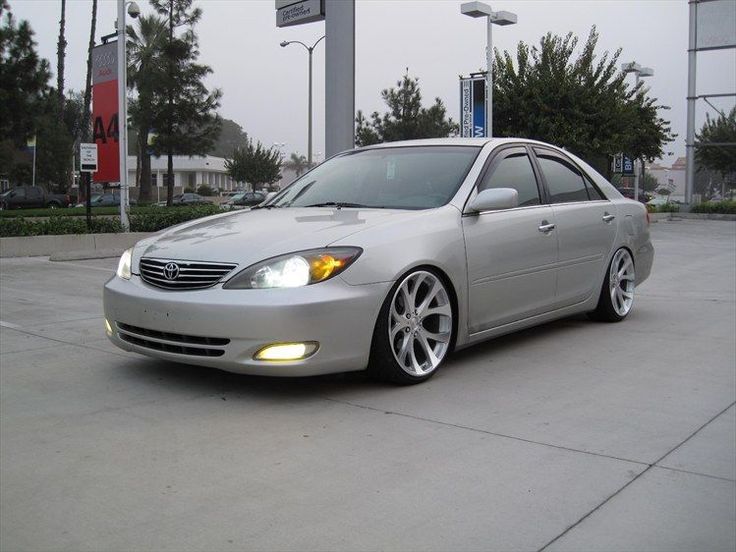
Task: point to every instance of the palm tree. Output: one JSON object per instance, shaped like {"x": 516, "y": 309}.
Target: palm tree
{"x": 297, "y": 163}
{"x": 145, "y": 64}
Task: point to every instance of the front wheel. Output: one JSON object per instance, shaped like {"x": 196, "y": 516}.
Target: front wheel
{"x": 617, "y": 293}
{"x": 414, "y": 331}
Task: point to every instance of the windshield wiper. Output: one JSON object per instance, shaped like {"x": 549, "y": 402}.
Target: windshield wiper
{"x": 336, "y": 204}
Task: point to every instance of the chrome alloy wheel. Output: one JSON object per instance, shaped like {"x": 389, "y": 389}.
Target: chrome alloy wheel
{"x": 420, "y": 323}
{"x": 621, "y": 282}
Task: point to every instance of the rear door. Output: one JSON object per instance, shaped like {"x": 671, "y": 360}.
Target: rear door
{"x": 34, "y": 197}
{"x": 586, "y": 226}
{"x": 511, "y": 253}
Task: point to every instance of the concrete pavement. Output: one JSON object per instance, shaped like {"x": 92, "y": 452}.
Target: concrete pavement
{"x": 571, "y": 436}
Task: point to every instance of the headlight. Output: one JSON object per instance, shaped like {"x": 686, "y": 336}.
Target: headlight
{"x": 124, "y": 264}
{"x": 295, "y": 269}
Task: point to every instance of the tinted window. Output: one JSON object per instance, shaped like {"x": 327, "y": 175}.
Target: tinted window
{"x": 514, "y": 171}
{"x": 419, "y": 177}
{"x": 34, "y": 192}
{"x": 564, "y": 182}
{"x": 20, "y": 192}
{"x": 593, "y": 192}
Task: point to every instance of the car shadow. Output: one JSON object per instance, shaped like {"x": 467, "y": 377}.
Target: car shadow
{"x": 190, "y": 379}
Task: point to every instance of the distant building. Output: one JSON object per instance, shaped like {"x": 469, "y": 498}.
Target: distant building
{"x": 670, "y": 178}
{"x": 188, "y": 172}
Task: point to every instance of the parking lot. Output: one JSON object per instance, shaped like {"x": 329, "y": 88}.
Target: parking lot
{"x": 571, "y": 436}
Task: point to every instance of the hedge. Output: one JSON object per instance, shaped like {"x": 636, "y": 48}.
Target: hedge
{"x": 146, "y": 219}
{"x": 74, "y": 211}
{"x": 727, "y": 207}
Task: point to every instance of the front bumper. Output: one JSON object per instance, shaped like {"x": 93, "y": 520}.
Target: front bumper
{"x": 338, "y": 316}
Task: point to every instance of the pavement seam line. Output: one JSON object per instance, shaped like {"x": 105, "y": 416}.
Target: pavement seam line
{"x": 636, "y": 477}
{"x": 57, "y": 340}
{"x": 487, "y": 432}
{"x": 696, "y": 473}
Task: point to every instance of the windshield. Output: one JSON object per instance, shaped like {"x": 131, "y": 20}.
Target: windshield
{"x": 419, "y": 177}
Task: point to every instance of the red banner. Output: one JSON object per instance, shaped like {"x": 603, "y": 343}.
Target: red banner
{"x": 105, "y": 112}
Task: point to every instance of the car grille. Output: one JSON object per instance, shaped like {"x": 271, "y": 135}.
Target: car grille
{"x": 182, "y": 275}
{"x": 172, "y": 342}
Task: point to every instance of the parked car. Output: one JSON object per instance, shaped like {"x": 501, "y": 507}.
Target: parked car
{"x": 188, "y": 198}
{"x": 30, "y": 197}
{"x": 244, "y": 199}
{"x": 386, "y": 257}
{"x": 658, "y": 201}
{"x": 110, "y": 199}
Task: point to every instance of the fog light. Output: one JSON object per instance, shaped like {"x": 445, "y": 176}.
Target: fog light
{"x": 108, "y": 328}
{"x": 287, "y": 351}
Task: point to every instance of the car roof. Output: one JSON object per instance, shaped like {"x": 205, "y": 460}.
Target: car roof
{"x": 478, "y": 142}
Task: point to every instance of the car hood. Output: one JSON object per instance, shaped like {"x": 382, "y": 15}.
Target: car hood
{"x": 247, "y": 237}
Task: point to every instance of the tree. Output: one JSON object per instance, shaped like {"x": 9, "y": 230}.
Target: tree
{"x": 186, "y": 122}
{"x": 60, "y": 56}
{"x": 297, "y": 163}
{"x": 23, "y": 91}
{"x": 23, "y": 79}
{"x": 254, "y": 164}
{"x": 146, "y": 69}
{"x": 231, "y": 136}
{"x": 406, "y": 118}
{"x": 582, "y": 104}
{"x": 715, "y": 149}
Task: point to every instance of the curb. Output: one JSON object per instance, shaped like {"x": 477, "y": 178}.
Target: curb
{"x": 77, "y": 244}
{"x": 690, "y": 216}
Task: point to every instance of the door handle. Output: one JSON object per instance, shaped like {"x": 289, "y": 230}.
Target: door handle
{"x": 546, "y": 227}
{"x": 608, "y": 218}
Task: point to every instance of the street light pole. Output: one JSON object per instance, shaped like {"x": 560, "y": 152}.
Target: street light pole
{"x": 122, "y": 116}
{"x": 489, "y": 76}
{"x": 134, "y": 12}
{"x": 479, "y": 9}
{"x": 310, "y": 50}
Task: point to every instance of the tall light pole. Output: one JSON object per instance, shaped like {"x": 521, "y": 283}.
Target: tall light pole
{"x": 640, "y": 72}
{"x": 134, "y": 12}
{"x": 479, "y": 9}
{"x": 309, "y": 49}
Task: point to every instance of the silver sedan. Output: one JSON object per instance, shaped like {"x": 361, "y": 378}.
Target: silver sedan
{"x": 387, "y": 258}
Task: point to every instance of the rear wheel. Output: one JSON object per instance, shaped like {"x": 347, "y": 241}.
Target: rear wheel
{"x": 617, "y": 293}
{"x": 414, "y": 330}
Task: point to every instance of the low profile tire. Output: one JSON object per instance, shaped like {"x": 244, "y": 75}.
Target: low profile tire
{"x": 617, "y": 293}
{"x": 414, "y": 330}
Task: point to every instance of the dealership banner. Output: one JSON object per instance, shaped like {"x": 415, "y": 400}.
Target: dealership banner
{"x": 105, "y": 111}
{"x": 473, "y": 106}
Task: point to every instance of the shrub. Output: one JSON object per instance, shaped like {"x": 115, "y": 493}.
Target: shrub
{"x": 727, "y": 207}
{"x": 205, "y": 190}
{"x": 158, "y": 219}
{"x": 57, "y": 226}
{"x": 144, "y": 219}
{"x": 668, "y": 208}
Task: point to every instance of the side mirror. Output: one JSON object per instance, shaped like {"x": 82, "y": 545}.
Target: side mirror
{"x": 494, "y": 199}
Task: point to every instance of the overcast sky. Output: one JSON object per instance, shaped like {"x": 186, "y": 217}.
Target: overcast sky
{"x": 265, "y": 86}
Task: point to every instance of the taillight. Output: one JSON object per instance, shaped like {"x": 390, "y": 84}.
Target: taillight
{"x": 649, "y": 220}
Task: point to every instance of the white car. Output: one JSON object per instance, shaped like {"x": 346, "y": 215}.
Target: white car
{"x": 387, "y": 258}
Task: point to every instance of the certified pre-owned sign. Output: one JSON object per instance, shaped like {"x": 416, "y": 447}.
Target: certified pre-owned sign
{"x": 305, "y": 11}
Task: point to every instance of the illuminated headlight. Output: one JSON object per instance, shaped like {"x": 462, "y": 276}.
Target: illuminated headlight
{"x": 295, "y": 269}
{"x": 124, "y": 264}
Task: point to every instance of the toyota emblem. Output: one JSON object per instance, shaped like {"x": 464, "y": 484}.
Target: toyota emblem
{"x": 171, "y": 271}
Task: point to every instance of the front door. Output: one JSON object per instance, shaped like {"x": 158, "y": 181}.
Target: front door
{"x": 511, "y": 253}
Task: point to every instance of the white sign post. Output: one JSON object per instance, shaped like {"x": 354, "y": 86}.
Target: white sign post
{"x": 88, "y": 158}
